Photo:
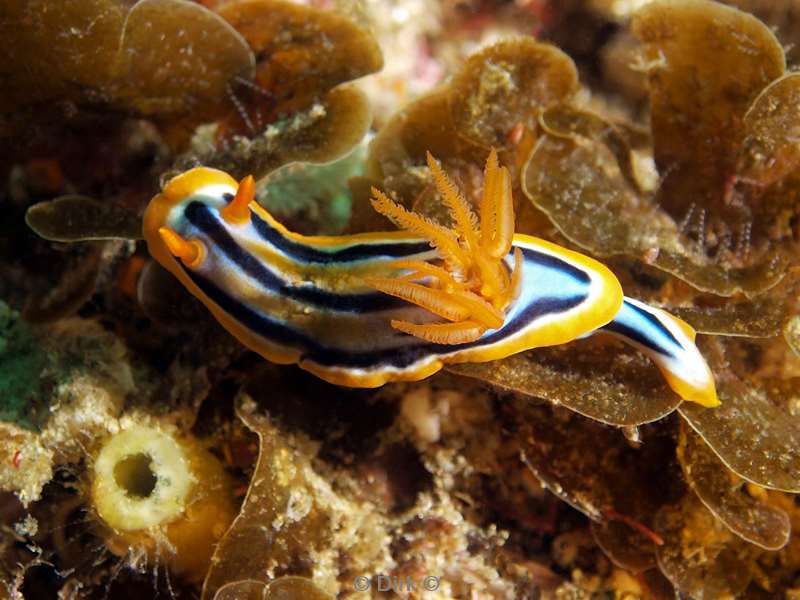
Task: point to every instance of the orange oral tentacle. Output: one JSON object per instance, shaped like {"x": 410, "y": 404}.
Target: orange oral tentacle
{"x": 191, "y": 252}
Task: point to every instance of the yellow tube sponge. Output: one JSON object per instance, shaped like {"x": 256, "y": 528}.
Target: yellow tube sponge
{"x": 142, "y": 479}
{"x": 163, "y": 497}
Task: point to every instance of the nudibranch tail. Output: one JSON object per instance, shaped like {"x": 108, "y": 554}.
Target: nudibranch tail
{"x": 669, "y": 342}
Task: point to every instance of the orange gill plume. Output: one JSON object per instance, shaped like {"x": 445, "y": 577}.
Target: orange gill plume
{"x": 472, "y": 286}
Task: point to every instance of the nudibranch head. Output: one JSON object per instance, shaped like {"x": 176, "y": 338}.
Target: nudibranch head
{"x": 473, "y": 286}
{"x": 176, "y": 228}
{"x": 164, "y": 220}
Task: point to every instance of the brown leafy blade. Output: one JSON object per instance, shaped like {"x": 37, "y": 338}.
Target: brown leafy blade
{"x": 769, "y": 151}
{"x": 593, "y": 468}
{"x": 753, "y": 521}
{"x": 508, "y": 84}
{"x": 279, "y": 524}
{"x": 628, "y": 548}
{"x": 700, "y": 556}
{"x": 283, "y": 588}
{"x": 580, "y": 183}
{"x": 196, "y": 55}
{"x": 723, "y": 217}
{"x": 79, "y": 218}
{"x": 755, "y": 432}
{"x": 761, "y": 317}
{"x": 699, "y": 94}
{"x": 320, "y": 133}
{"x": 600, "y": 379}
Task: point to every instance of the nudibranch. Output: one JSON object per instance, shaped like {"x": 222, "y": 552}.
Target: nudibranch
{"x": 364, "y": 309}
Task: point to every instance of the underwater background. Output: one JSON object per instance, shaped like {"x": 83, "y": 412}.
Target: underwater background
{"x": 146, "y": 453}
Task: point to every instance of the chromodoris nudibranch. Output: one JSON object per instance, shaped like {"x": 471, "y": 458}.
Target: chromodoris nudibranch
{"x": 364, "y": 309}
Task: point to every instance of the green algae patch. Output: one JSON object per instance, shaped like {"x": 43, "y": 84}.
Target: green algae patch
{"x": 22, "y": 361}
{"x": 38, "y": 363}
{"x": 310, "y": 198}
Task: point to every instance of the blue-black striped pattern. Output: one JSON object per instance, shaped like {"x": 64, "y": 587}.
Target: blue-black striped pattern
{"x": 552, "y": 286}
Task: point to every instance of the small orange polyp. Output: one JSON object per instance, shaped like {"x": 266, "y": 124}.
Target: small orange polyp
{"x": 191, "y": 252}
{"x": 238, "y": 211}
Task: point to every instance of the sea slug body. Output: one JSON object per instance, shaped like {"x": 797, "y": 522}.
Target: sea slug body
{"x": 364, "y": 309}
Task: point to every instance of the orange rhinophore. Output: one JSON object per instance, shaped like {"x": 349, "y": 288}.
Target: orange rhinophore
{"x": 237, "y": 212}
